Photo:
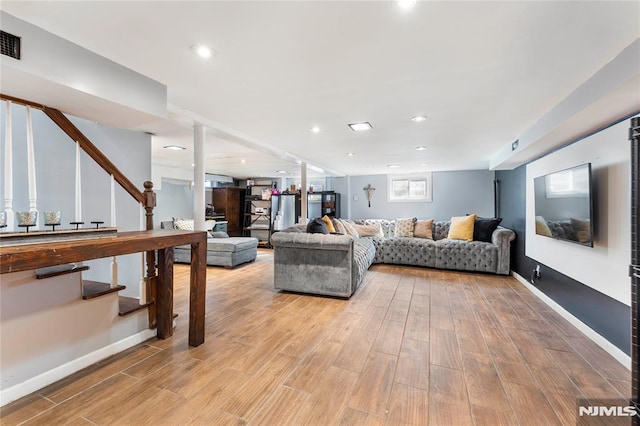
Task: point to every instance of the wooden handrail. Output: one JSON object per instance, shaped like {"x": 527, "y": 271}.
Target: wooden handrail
{"x": 87, "y": 146}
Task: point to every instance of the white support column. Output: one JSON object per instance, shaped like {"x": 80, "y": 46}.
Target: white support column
{"x": 198, "y": 177}
{"x": 78, "y": 212}
{"x": 8, "y": 170}
{"x": 303, "y": 192}
{"x": 114, "y": 260}
{"x": 31, "y": 168}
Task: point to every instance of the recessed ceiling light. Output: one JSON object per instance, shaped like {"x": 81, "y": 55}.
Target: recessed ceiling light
{"x": 418, "y": 118}
{"x": 360, "y": 126}
{"x": 243, "y": 161}
{"x": 406, "y": 4}
{"x": 315, "y": 129}
{"x": 174, "y": 147}
{"x": 350, "y": 154}
{"x": 202, "y": 50}
{"x": 423, "y": 164}
{"x": 392, "y": 166}
{"x": 282, "y": 171}
{"x": 193, "y": 164}
{"x": 420, "y": 148}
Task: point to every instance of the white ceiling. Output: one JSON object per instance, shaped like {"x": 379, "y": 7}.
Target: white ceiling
{"x": 482, "y": 72}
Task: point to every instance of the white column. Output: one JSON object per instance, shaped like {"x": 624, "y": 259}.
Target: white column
{"x": 303, "y": 192}
{"x": 31, "y": 168}
{"x": 198, "y": 177}
{"x": 8, "y": 170}
{"x": 78, "y": 213}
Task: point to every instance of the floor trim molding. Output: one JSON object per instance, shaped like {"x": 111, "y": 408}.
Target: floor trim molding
{"x": 51, "y": 376}
{"x": 614, "y": 351}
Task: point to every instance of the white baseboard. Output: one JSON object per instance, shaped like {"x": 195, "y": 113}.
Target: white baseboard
{"x": 614, "y": 351}
{"x": 48, "y": 377}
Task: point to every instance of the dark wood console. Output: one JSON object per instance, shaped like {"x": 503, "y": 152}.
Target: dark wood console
{"x": 43, "y": 254}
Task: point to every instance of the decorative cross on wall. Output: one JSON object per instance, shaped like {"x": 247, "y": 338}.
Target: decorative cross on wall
{"x": 369, "y": 190}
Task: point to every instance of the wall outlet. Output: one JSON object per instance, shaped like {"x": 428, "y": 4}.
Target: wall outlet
{"x": 355, "y": 198}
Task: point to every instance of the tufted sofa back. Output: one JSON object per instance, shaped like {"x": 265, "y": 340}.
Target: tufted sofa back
{"x": 440, "y": 229}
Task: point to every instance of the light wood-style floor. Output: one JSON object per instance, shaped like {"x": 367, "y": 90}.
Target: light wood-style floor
{"x": 413, "y": 346}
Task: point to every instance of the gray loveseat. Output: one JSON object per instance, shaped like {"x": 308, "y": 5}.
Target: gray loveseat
{"x": 335, "y": 265}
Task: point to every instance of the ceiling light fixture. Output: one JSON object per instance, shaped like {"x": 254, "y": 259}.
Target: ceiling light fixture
{"x": 420, "y": 148}
{"x": 392, "y": 166}
{"x": 315, "y": 129}
{"x": 174, "y": 147}
{"x": 202, "y": 50}
{"x": 423, "y": 164}
{"x": 282, "y": 171}
{"x": 350, "y": 154}
{"x": 357, "y": 127}
{"x": 243, "y": 161}
{"x": 406, "y": 4}
{"x": 418, "y": 118}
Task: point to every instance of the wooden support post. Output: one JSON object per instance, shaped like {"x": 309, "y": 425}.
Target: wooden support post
{"x": 164, "y": 296}
{"x": 197, "y": 295}
{"x": 152, "y": 279}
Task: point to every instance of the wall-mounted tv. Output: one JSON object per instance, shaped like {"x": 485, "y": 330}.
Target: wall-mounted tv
{"x": 564, "y": 205}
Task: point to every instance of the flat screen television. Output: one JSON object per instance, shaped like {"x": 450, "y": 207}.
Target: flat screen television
{"x": 564, "y": 205}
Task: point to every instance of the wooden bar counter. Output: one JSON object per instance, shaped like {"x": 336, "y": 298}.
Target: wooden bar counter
{"x": 25, "y": 257}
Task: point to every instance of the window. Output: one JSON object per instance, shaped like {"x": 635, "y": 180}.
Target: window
{"x": 409, "y": 188}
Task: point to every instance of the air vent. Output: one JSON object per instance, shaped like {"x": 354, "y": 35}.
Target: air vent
{"x": 10, "y": 45}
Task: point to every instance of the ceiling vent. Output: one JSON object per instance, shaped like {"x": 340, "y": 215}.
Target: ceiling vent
{"x": 10, "y": 45}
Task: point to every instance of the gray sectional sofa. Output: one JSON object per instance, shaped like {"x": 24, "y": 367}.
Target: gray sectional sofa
{"x": 335, "y": 265}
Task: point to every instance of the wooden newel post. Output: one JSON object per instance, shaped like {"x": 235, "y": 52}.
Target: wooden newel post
{"x": 151, "y": 281}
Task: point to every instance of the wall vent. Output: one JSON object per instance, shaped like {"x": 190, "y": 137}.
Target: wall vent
{"x": 10, "y": 45}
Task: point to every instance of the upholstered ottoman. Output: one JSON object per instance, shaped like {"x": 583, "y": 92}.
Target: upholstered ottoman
{"x": 227, "y": 252}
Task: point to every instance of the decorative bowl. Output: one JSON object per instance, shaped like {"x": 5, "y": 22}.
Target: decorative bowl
{"x": 27, "y": 218}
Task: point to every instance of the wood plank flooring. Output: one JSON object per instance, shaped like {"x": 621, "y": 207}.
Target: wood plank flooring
{"x": 413, "y": 346}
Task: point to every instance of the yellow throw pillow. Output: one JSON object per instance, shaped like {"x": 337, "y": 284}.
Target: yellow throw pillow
{"x": 424, "y": 229}
{"x": 541, "y": 227}
{"x": 462, "y": 228}
{"x": 326, "y": 219}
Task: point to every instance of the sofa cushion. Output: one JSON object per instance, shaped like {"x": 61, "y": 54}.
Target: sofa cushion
{"x": 363, "y": 255}
{"x": 317, "y": 226}
{"x": 462, "y": 228}
{"x": 185, "y": 225}
{"x": 348, "y": 226}
{"x": 404, "y": 227}
{"x": 424, "y": 229}
{"x": 409, "y": 251}
{"x": 483, "y": 228}
{"x": 327, "y": 220}
{"x": 373, "y": 230}
{"x": 466, "y": 256}
{"x": 338, "y": 226}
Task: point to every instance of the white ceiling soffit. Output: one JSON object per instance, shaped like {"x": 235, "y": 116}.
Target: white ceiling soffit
{"x": 610, "y": 95}
{"x": 482, "y": 72}
{"x": 60, "y": 74}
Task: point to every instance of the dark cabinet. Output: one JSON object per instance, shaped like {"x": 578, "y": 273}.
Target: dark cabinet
{"x": 230, "y": 202}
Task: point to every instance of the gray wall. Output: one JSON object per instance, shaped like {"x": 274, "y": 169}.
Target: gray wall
{"x": 174, "y": 200}
{"x": 454, "y": 194}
